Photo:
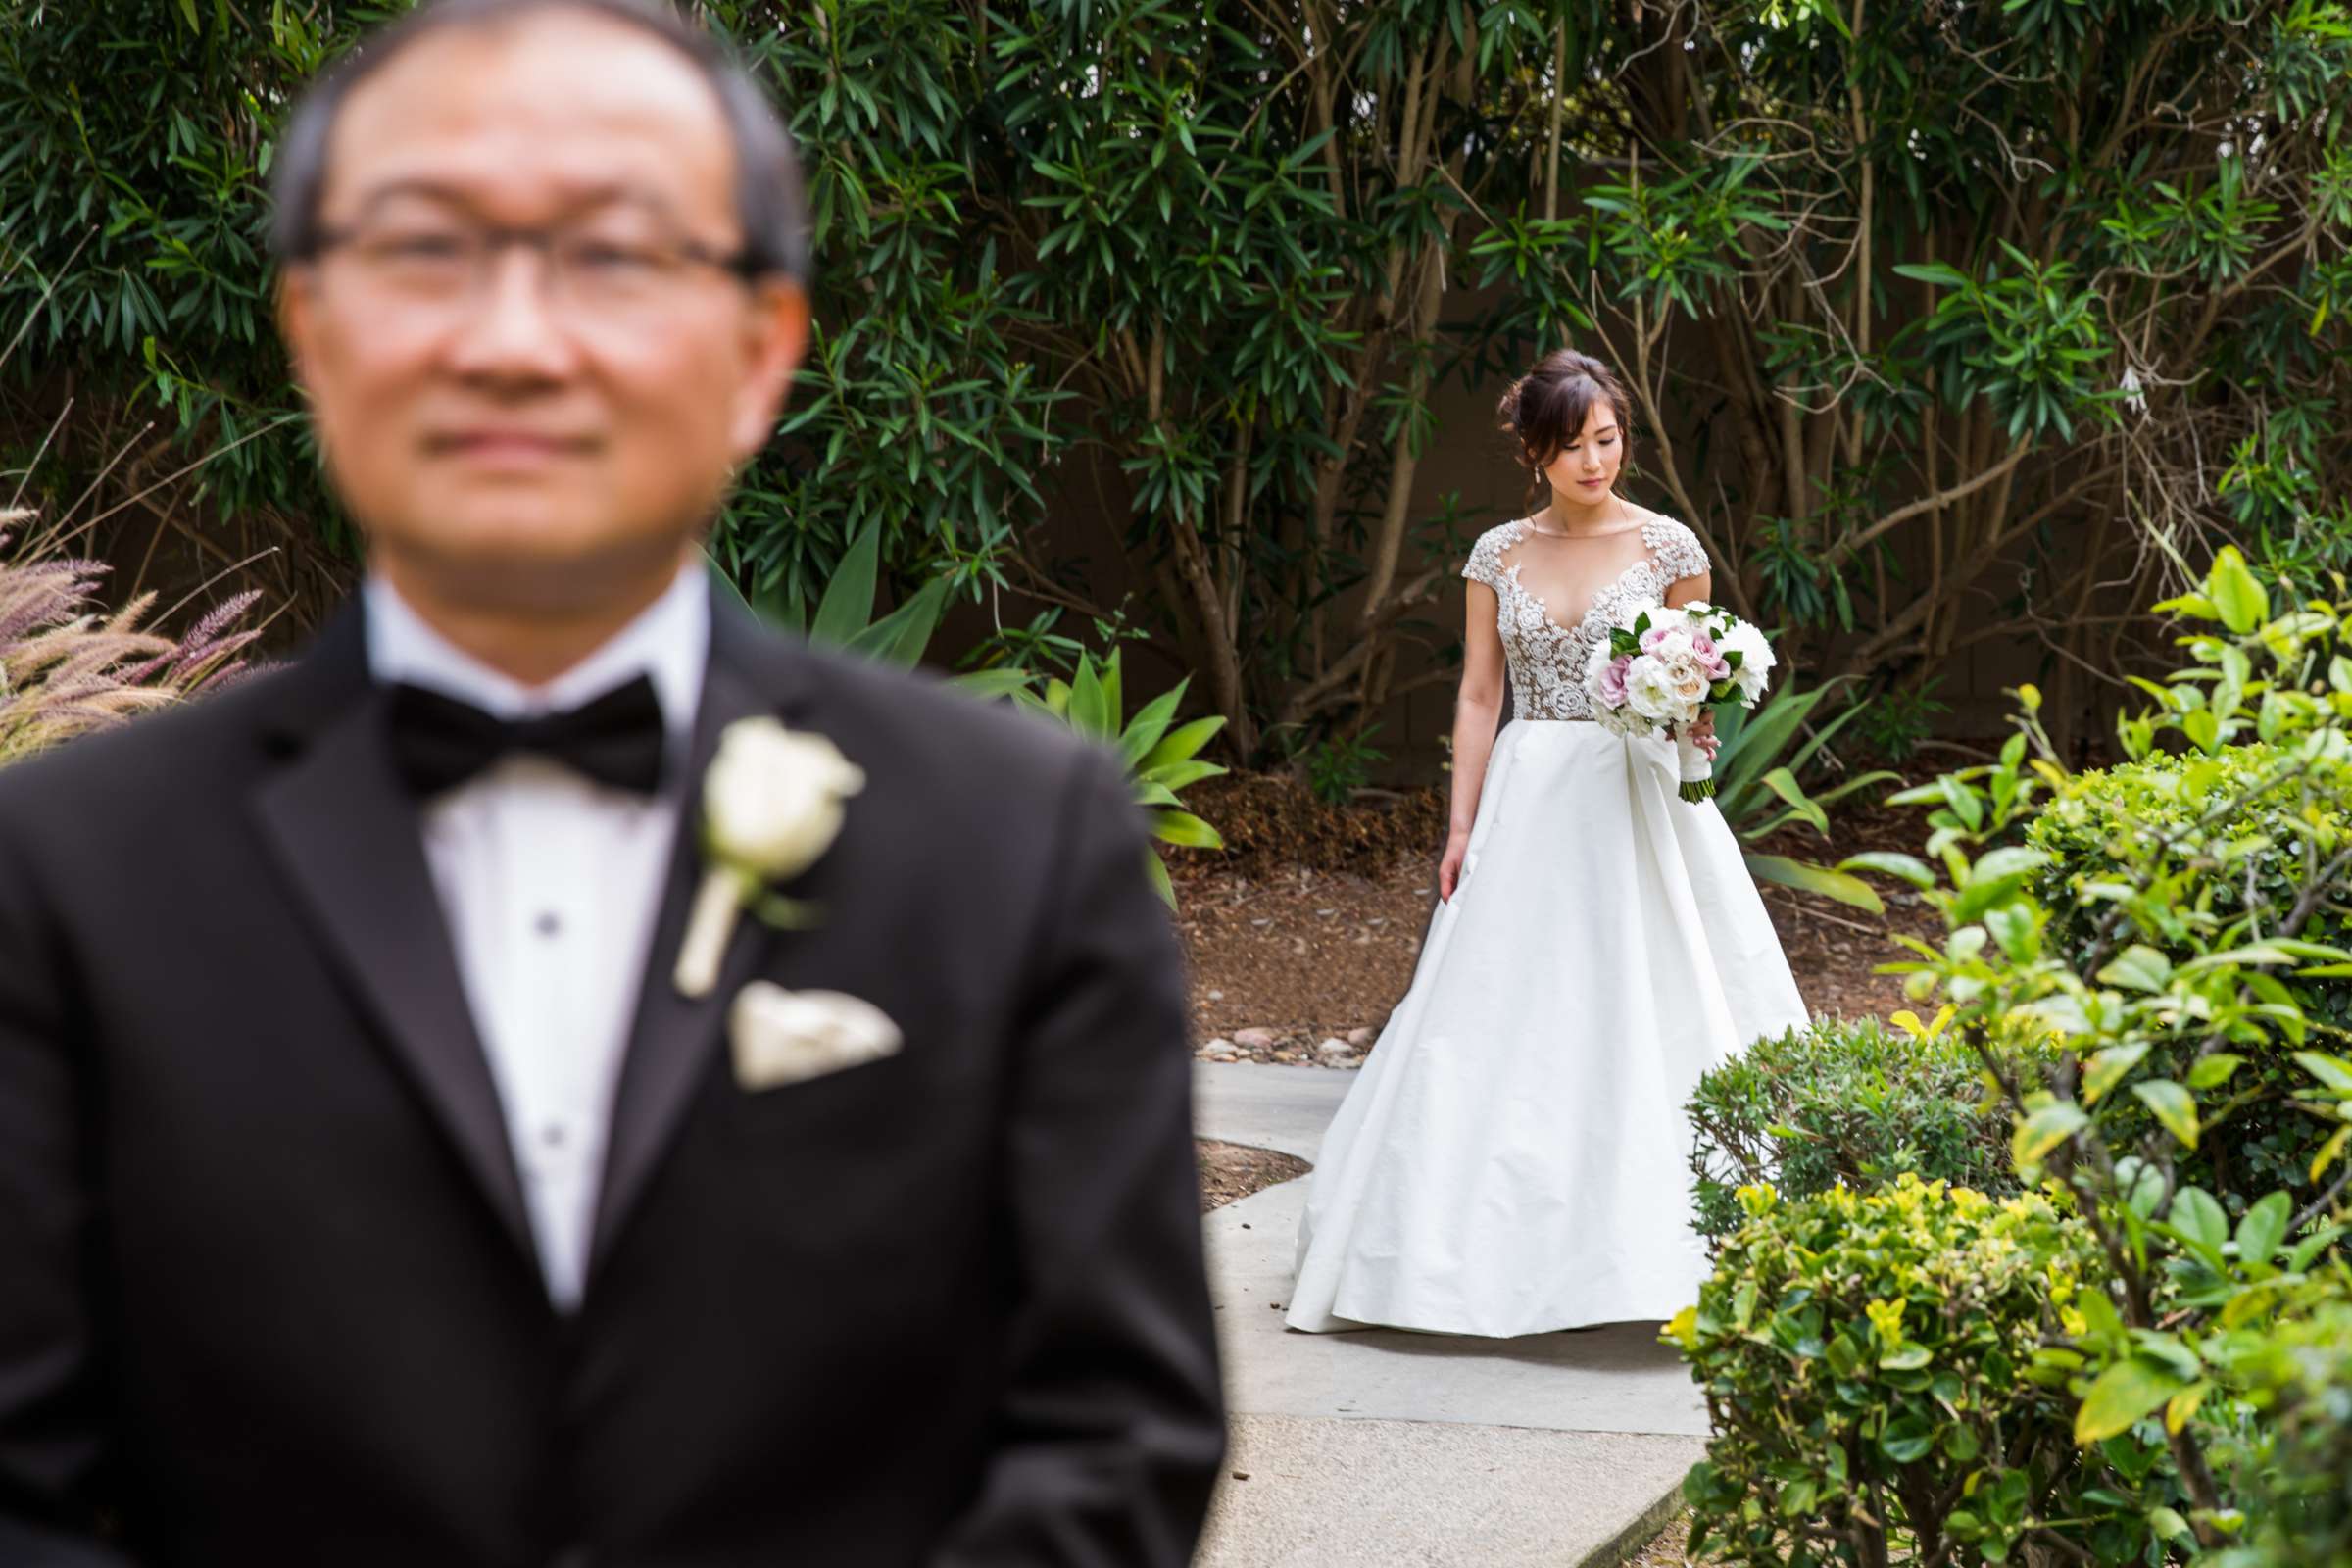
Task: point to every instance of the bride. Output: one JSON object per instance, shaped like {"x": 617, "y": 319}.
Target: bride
{"x": 1512, "y": 1158}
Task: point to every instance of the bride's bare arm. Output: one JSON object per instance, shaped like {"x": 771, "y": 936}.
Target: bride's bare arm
{"x": 1689, "y": 588}
{"x": 1476, "y": 712}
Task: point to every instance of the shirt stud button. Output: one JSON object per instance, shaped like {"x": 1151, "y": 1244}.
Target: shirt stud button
{"x": 548, "y": 923}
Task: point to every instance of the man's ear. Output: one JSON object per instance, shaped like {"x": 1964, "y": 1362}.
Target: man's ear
{"x": 775, "y": 337}
{"x": 296, "y": 305}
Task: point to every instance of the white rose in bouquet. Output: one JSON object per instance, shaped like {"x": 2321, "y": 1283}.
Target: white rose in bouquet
{"x": 1650, "y": 691}
{"x": 1756, "y": 660}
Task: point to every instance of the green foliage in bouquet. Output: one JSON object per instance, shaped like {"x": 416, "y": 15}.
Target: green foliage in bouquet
{"x": 1876, "y": 1381}
{"x": 1754, "y": 777}
{"x": 1843, "y": 1102}
{"x": 2280, "y": 832}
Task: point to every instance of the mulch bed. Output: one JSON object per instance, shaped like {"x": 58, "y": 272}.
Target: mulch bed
{"x": 1301, "y": 961}
{"x": 1232, "y": 1171}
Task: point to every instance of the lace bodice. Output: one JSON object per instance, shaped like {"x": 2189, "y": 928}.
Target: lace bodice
{"x": 1545, "y": 657}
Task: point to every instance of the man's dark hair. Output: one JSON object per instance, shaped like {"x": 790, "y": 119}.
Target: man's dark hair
{"x": 767, "y": 172}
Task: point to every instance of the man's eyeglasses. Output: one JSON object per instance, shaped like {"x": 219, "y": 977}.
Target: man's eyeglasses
{"x": 445, "y": 260}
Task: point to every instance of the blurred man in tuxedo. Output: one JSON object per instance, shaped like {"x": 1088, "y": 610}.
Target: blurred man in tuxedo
{"x": 411, "y": 1152}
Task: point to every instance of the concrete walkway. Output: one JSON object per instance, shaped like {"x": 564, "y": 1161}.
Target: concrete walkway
{"x": 1383, "y": 1447}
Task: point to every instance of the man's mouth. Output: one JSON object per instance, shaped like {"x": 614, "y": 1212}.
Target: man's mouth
{"x": 507, "y": 446}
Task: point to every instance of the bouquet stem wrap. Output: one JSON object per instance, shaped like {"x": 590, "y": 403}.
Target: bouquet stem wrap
{"x": 1696, "y": 767}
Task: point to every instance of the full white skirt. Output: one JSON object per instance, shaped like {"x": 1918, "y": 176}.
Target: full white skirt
{"x": 1513, "y": 1157}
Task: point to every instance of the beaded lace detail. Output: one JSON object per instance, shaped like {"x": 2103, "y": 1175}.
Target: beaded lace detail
{"x": 1546, "y": 657}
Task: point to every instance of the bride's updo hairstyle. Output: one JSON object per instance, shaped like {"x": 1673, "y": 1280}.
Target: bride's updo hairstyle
{"x": 1545, "y": 409}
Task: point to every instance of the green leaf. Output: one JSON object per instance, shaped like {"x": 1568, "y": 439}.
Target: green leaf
{"x": 2173, "y": 1107}
{"x": 2014, "y": 926}
{"x": 2106, "y": 1069}
{"x": 1186, "y": 829}
{"x": 2139, "y": 967}
{"x": 2124, "y": 1394}
{"x": 1180, "y": 744}
{"x": 1182, "y": 775}
{"x": 2213, "y": 1071}
{"x": 1148, "y": 725}
{"x": 1906, "y": 867}
{"x": 2197, "y": 1215}
{"x": 2331, "y": 1151}
{"x": 1812, "y": 879}
{"x": 2307, "y": 1251}
{"x": 999, "y": 682}
{"x": 2008, "y": 861}
{"x": 2044, "y": 1130}
{"x": 1942, "y": 273}
{"x": 2236, "y": 592}
{"x": 2264, "y": 1227}
{"x": 1158, "y": 872}
{"x": 2167, "y": 1524}
{"x": 1090, "y": 711}
{"x": 1966, "y": 804}
{"x": 899, "y": 638}
{"x": 2333, "y": 1071}
{"x": 849, "y": 600}
{"x": 1783, "y": 783}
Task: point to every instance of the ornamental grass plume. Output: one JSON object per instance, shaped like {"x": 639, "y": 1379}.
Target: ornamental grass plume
{"x": 68, "y": 666}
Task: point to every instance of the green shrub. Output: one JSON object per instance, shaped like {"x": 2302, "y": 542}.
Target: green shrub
{"x": 2133, "y": 1015}
{"x": 1842, "y": 1103}
{"x": 2292, "y": 1466}
{"x": 2217, "y": 879}
{"x": 1875, "y": 1376}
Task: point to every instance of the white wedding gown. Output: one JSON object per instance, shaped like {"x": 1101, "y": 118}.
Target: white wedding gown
{"x": 1513, "y": 1156}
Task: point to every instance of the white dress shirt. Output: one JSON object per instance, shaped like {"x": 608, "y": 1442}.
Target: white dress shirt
{"x": 551, "y": 885}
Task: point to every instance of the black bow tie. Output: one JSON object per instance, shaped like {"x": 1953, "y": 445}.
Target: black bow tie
{"x": 438, "y": 743}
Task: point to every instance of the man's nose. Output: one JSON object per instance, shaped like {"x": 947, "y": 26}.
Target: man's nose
{"x": 513, "y": 333}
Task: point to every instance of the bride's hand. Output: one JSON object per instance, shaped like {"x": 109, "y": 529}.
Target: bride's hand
{"x": 1449, "y": 869}
{"x": 1703, "y": 733}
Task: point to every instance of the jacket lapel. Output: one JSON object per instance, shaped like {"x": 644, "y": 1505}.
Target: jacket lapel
{"x": 675, "y": 1036}
{"x": 346, "y": 836}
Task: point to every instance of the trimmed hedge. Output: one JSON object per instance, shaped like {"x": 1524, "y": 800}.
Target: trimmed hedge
{"x": 1877, "y": 1383}
{"x": 1842, "y": 1103}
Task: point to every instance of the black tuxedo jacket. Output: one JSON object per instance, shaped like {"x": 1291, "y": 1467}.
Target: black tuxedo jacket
{"x": 268, "y": 1294}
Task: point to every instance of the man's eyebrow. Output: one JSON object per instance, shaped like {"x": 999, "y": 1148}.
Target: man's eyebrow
{"x": 450, "y": 193}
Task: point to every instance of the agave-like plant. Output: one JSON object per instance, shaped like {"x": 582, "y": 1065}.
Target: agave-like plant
{"x": 69, "y": 666}
{"x": 1756, "y": 787}
{"x": 1159, "y": 760}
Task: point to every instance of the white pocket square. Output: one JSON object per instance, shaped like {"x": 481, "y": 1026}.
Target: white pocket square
{"x": 784, "y": 1036}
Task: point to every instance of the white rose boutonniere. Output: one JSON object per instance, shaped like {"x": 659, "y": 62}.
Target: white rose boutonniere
{"x": 772, "y": 804}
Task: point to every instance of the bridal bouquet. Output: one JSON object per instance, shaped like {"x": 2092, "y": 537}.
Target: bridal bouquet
{"x": 1669, "y": 666}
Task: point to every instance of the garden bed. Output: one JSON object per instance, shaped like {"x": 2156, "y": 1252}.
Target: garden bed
{"x": 1285, "y": 959}
{"x": 1230, "y": 1172}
